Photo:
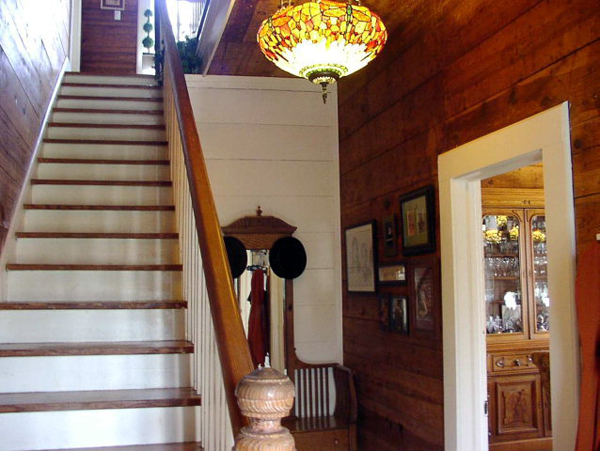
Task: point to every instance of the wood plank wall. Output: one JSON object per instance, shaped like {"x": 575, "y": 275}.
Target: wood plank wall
{"x": 108, "y": 45}
{"x": 34, "y": 42}
{"x": 454, "y": 71}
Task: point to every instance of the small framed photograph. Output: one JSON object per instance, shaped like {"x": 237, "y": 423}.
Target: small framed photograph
{"x": 424, "y": 295}
{"x": 360, "y": 258}
{"x": 118, "y": 5}
{"x": 384, "y": 311}
{"x": 418, "y": 221}
{"x": 399, "y": 314}
{"x": 392, "y": 274}
{"x": 390, "y": 248}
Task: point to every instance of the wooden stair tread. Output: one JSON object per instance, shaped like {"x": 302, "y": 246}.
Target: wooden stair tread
{"x": 98, "y": 235}
{"x": 160, "y": 183}
{"x": 127, "y": 99}
{"x": 104, "y": 141}
{"x": 100, "y": 85}
{"x": 96, "y": 348}
{"x": 99, "y": 399}
{"x": 300, "y": 425}
{"x": 87, "y": 267}
{"x": 105, "y": 111}
{"x": 94, "y": 125}
{"x": 93, "y": 305}
{"x": 109, "y": 74}
{"x": 187, "y": 446}
{"x": 100, "y": 207}
{"x": 103, "y": 161}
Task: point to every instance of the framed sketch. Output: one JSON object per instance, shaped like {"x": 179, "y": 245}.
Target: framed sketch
{"x": 424, "y": 295}
{"x": 392, "y": 274}
{"x": 360, "y": 258}
{"x": 383, "y": 300}
{"x": 390, "y": 249}
{"x": 112, "y": 4}
{"x": 399, "y": 314}
{"x": 418, "y": 221}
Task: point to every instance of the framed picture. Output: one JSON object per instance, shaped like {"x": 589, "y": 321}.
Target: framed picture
{"x": 424, "y": 295}
{"x": 418, "y": 221}
{"x": 384, "y": 311}
{"x": 399, "y": 314}
{"x": 390, "y": 249}
{"x": 392, "y": 274}
{"x": 112, "y": 4}
{"x": 360, "y": 258}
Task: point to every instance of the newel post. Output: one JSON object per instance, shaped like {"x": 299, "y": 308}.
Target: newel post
{"x": 265, "y": 396}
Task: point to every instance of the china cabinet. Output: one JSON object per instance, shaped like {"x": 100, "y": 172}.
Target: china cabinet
{"x": 517, "y": 324}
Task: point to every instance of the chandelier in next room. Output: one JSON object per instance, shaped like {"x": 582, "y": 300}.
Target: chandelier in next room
{"x": 322, "y": 40}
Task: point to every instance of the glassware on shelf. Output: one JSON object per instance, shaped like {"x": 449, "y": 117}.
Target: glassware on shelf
{"x": 502, "y": 269}
{"x": 540, "y": 272}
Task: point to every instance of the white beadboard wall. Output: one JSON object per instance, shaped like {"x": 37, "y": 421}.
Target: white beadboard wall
{"x": 272, "y": 142}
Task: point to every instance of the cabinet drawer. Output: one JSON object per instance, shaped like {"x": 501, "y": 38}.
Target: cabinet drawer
{"x": 501, "y": 363}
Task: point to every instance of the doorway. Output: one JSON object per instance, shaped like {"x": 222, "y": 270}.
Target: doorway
{"x": 542, "y": 138}
{"x": 517, "y": 320}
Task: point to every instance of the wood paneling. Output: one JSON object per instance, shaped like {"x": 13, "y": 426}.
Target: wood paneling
{"x": 452, "y": 72}
{"x": 34, "y": 42}
{"x": 108, "y": 45}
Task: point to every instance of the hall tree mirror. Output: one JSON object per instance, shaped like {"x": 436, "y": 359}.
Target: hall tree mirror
{"x": 517, "y": 310}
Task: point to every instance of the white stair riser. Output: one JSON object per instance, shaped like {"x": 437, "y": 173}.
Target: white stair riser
{"x": 105, "y": 118}
{"x": 114, "y": 134}
{"x": 109, "y": 104}
{"x": 70, "y": 171}
{"x": 110, "y": 92}
{"x": 95, "y": 428}
{"x": 94, "y": 285}
{"x": 101, "y": 195}
{"x": 107, "y": 151}
{"x": 99, "y": 221}
{"x": 97, "y": 372}
{"x": 114, "y": 251}
{"x": 91, "y": 325}
{"x": 109, "y": 80}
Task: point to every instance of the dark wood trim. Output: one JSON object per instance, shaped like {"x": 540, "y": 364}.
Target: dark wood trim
{"x": 91, "y": 235}
{"x": 101, "y": 85}
{"x": 147, "y": 183}
{"x": 119, "y": 126}
{"x": 232, "y": 346}
{"x": 96, "y": 400}
{"x": 99, "y": 161}
{"x": 93, "y": 305}
{"x": 100, "y": 207}
{"x": 96, "y": 348}
{"x": 118, "y": 99}
{"x": 87, "y": 267}
{"x": 106, "y": 111}
{"x": 105, "y": 142}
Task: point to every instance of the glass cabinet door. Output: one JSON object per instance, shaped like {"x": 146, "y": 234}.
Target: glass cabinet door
{"x": 537, "y": 225}
{"x": 502, "y": 266}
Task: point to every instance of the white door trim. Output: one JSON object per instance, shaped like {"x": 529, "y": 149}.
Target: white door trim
{"x": 75, "y": 38}
{"x": 545, "y": 138}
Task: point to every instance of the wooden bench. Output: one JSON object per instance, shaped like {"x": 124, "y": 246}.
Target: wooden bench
{"x": 324, "y": 414}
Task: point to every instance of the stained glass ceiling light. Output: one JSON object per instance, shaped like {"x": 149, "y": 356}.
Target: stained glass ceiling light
{"x": 322, "y": 40}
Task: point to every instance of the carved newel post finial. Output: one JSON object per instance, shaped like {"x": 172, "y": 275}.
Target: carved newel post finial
{"x": 265, "y": 396}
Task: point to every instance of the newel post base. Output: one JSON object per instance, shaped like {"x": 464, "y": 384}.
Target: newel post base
{"x": 265, "y": 396}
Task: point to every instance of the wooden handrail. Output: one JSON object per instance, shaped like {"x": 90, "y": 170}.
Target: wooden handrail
{"x": 234, "y": 353}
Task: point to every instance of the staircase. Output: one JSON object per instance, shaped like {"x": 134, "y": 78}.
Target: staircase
{"x": 94, "y": 352}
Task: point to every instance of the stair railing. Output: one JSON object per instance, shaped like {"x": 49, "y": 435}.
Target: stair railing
{"x": 222, "y": 356}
